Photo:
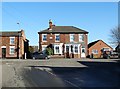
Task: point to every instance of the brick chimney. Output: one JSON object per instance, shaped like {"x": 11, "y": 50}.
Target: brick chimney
{"x": 50, "y": 24}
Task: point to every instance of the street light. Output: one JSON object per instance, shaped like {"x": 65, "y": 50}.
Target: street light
{"x": 19, "y": 42}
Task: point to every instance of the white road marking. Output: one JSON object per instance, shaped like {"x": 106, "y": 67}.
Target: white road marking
{"x": 71, "y": 83}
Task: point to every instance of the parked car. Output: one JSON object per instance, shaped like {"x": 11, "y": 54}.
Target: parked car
{"x": 40, "y": 55}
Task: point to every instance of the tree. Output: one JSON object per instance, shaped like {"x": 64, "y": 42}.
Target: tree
{"x": 31, "y": 49}
{"x": 115, "y": 35}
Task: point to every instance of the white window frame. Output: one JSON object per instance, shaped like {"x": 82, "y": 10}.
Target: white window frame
{"x": 55, "y": 45}
{"x": 75, "y": 49}
{"x": 12, "y": 40}
{"x": 55, "y": 37}
{"x": 72, "y": 35}
{"x": 12, "y": 47}
{"x": 95, "y": 51}
{"x": 81, "y": 37}
{"x": 43, "y": 37}
{"x": 58, "y": 50}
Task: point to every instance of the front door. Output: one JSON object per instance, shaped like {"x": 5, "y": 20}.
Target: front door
{"x": 83, "y": 52}
{"x": 3, "y": 52}
{"x": 67, "y": 52}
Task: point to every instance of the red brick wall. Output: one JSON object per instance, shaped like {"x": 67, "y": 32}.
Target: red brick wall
{"x": 99, "y": 45}
{"x": 64, "y": 38}
{"x": 5, "y": 41}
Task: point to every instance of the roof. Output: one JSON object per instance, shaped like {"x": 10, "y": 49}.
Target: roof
{"x": 92, "y": 43}
{"x": 63, "y": 29}
{"x": 11, "y": 33}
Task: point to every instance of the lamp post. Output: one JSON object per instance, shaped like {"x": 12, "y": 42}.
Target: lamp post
{"x": 19, "y": 42}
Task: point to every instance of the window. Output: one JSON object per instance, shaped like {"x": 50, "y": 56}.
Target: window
{"x": 57, "y": 37}
{"x": 57, "y": 49}
{"x": 83, "y": 50}
{"x": 95, "y": 51}
{"x": 12, "y": 40}
{"x": 67, "y": 48}
{"x": 76, "y": 49}
{"x": 81, "y": 37}
{"x": 106, "y": 49}
{"x": 12, "y": 49}
{"x": 72, "y": 38}
{"x": 44, "y": 37}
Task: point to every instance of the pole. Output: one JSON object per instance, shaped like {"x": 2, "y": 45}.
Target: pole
{"x": 19, "y": 42}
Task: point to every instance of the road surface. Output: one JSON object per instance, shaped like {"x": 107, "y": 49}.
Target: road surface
{"x": 61, "y": 73}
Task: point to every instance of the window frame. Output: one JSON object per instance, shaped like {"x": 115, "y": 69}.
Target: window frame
{"x": 95, "y": 51}
{"x": 72, "y": 37}
{"x": 11, "y": 51}
{"x": 57, "y": 51}
{"x": 12, "y": 41}
{"x": 81, "y": 37}
{"x": 56, "y": 37}
{"x": 43, "y": 37}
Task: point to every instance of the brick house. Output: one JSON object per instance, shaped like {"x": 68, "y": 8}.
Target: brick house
{"x": 97, "y": 48}
{"x": 66, "y": 41}
{"x": 13, "y": 44}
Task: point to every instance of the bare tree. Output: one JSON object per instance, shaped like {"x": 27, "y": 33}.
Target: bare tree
{"x": 115, "y": 35}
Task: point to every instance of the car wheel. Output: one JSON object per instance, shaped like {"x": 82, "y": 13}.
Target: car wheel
{"x": 46, "y": 57}
{"x": 33, "y": 57}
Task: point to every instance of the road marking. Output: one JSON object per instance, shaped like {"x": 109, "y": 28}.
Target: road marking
{"x": 71, "y": 83}
{"x": 78, "y": 80}
{"x": 50, "y": 73}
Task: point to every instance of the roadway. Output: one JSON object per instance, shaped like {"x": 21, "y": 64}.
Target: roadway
{"x": 61, "y": 73}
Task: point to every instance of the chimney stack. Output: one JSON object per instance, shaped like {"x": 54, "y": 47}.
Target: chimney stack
{"x": 50, "y": 24}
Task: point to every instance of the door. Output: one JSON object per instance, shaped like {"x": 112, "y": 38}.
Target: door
{"x": 67, "y": 52}
{"x": 83, "y": 52}
{"x": 3, "y": 52}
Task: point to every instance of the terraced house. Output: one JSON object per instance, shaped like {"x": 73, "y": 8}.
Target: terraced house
{"x": 13, "y": 44}
{"x": 66, "y": 41}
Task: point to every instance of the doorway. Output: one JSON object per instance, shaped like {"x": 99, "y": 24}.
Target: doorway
{"x": 3, "y": 52}
{"x": 67, "y": 52}
{"x": 83, "y": 52}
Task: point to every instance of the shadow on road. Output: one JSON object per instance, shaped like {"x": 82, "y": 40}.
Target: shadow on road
{"x": 96, "y": 75}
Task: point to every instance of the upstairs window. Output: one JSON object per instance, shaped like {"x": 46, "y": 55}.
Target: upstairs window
{"x": 72, "y": 38}
{"x": 12, "y": 40}
{"x": 57, "y": 37}
{"x": 81, "y": 37}
{"x": 44, "y": 37}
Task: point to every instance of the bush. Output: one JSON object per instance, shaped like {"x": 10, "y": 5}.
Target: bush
{"x": 49, "y": 51}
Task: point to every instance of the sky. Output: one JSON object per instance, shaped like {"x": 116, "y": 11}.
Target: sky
{"x": 98, "y": 18}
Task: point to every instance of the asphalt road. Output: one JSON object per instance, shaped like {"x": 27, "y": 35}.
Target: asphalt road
{"x": 61, "y": 73}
